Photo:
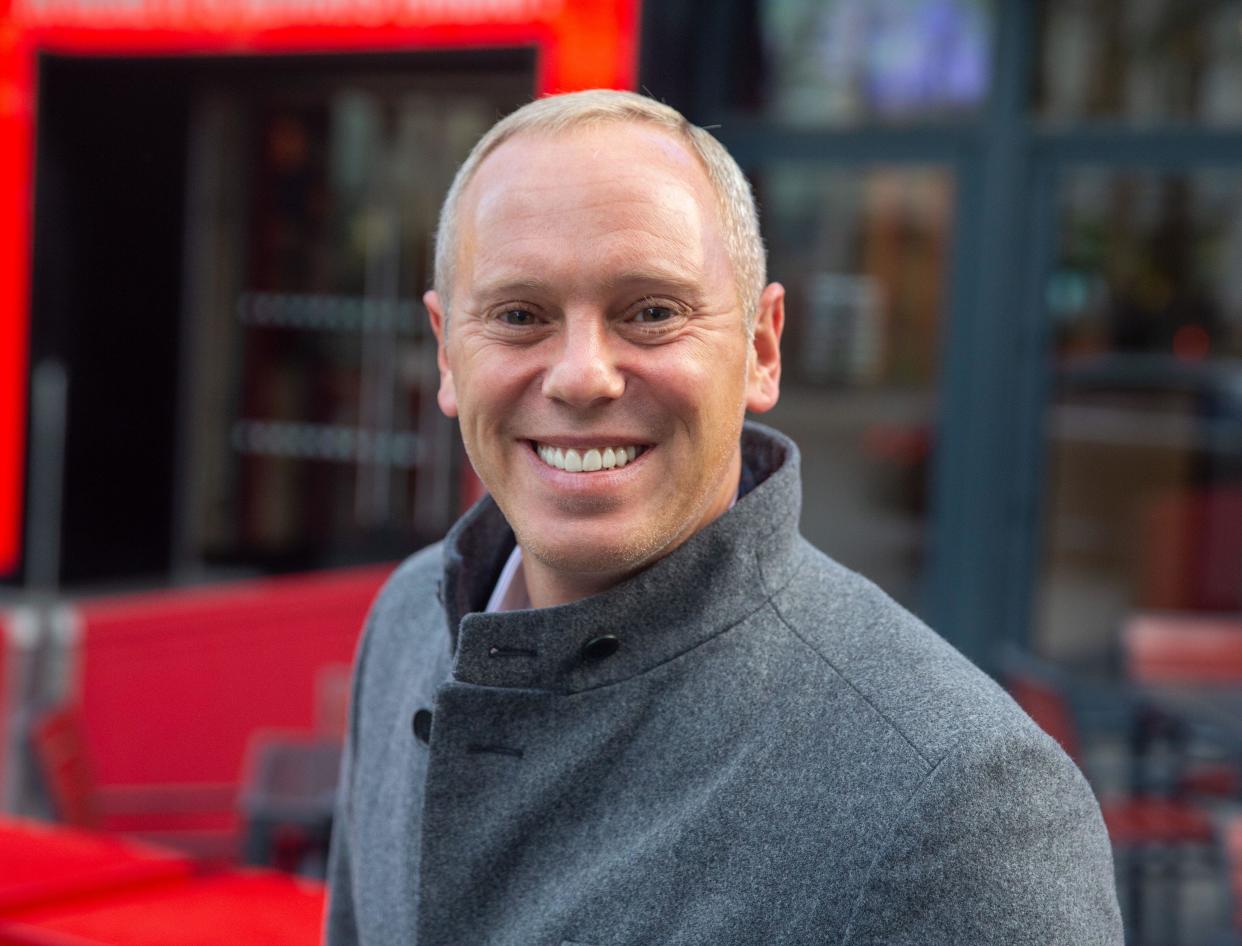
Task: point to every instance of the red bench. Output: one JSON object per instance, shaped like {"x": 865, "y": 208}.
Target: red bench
{"x": 172, "y": 685}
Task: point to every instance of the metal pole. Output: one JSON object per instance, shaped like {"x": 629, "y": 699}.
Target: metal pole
{"x": 49, "y": 397}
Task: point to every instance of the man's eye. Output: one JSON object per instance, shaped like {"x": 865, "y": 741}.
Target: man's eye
{"x": 654, "y": 313}
{"x": 517, "y": 317}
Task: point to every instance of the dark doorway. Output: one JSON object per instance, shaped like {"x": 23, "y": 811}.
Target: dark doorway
{"x": 107, "y": 281}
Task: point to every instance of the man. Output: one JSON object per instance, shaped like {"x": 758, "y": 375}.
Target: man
{"x": 625, "y": 702}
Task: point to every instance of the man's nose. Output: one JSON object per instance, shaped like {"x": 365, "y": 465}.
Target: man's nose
{"x": 584, "y": 371}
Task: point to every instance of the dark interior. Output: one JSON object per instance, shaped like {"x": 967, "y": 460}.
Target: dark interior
{"x": 107, "y": 284}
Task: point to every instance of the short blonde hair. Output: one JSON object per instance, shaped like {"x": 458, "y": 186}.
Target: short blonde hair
{"x": 560, "y": 113}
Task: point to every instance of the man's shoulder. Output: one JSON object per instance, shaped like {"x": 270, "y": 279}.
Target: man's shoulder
{"x": 414, "y": 579}
{"x": 914, "y": 680}
{"x": 408, "y": 605}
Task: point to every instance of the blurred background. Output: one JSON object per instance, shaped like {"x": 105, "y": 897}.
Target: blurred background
{"x": 1012, "y": 239}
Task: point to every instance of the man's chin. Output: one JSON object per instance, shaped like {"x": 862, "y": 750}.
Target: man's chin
{"x": 594, "y": 559}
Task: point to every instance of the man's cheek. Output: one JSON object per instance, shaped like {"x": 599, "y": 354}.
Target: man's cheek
{"x": 476, "y": 449}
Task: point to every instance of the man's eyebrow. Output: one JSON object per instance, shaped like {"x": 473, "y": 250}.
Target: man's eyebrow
{"x": 670, "y": 279}
{"x": 514, "y": 286}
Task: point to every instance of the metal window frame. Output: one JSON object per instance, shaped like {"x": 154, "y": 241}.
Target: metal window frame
{"x": 985, "y": 524}
{"x": 1054, "y": 154}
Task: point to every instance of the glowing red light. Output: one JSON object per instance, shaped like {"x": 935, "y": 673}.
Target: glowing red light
{"x": 1191, "y": 343}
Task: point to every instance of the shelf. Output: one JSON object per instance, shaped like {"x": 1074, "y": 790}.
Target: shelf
{"x": 330, "y": 442}
{"x": 328, "y": 313}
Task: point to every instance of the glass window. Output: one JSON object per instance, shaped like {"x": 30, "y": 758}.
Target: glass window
{"x": 317, "y": 437}
{"x": 864, "y": 255}
{"x": 848, "y": 61}
{"x": 1144, "y": 435}
{"x": 1141, "y": 62}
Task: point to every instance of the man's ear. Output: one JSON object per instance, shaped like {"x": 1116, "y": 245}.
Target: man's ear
{"x": 763, "y": 382}
{"x": 447, "y": 396}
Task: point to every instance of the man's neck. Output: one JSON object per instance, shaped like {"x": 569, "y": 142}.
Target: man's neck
{"x": 546, "y": 587}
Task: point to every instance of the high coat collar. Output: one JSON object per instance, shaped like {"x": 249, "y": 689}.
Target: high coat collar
{"x": 716, "y": 578}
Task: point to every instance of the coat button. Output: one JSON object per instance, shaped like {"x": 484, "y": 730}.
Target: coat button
{"x": 422, "y": 726}
{"x": 598, "y": 648}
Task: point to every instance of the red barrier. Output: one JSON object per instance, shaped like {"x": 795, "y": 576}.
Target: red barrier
{"x": 172, "y": 684}
{"x": 234, "y": 908}
{"x": 45, "y": 865}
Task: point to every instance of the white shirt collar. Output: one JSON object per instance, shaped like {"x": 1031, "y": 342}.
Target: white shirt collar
{"x": 510, "y": 591}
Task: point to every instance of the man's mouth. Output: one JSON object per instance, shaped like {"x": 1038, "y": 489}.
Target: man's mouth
{"x": 588, "y": 460}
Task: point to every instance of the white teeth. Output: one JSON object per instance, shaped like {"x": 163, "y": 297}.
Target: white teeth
{"x": 588, "y": 461}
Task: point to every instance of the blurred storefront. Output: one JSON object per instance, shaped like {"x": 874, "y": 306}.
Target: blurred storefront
{"x": 216, "y": 226}
{"x": 217, "y": 359}
{"x": 1011, "y": 236}
{"x": 289, "y": 422}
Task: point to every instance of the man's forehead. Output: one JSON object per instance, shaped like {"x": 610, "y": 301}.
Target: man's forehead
{"x": 537, "y": 157}
{"x": 633, "y": 182}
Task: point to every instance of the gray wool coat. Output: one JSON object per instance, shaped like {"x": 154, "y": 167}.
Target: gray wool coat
{"x": 773, "y": 753}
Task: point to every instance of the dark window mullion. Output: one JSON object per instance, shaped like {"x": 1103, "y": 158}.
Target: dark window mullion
{"x": 1153, "y": 148}
{"x": 754, "y": 143}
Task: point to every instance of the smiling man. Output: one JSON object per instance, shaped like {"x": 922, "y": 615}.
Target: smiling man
{"x": 624, "y": 702}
